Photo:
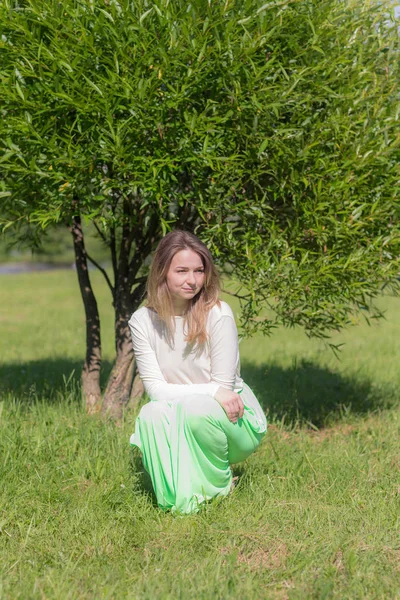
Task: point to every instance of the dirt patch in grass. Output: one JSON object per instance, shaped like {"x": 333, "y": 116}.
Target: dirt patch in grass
{"x": 261, "y": 558}
{"x": 338, "y": 561}
{"x": 273, "y": 558}
{"x": 317, "y": 435}
{"x": 324, "y": 433}
{"x": 341, "y": 429}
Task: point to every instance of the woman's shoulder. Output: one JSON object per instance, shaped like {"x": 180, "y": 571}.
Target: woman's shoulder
{"x": 145, "y": 321}
{"x": 142, "y": 315}
{"x": 221, "y": 309}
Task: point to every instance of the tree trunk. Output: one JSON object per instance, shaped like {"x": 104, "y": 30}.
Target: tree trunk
{"x": 119, "y": 386}
{"x": 119, "y": 390}
{"x": 91, "y": 368}
{"x": 137, "y": 391}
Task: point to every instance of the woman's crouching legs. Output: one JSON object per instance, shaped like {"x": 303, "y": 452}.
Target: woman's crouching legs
{"x": 188, "y": 447}
{"x": 152, "y": 436}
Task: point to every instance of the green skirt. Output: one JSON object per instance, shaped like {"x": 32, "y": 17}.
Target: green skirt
{"x": 188, "y": 446}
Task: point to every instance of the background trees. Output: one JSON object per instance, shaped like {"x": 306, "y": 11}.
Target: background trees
{"x": 269, "y": 128}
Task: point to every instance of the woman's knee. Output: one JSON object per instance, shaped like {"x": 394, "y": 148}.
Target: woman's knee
{"x": 152, "y": 412}
{"x": 200, "y": 411}
{"x": 242, "y": 446}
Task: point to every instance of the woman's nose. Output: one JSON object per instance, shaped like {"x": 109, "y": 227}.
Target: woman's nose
{"x": 190, "y": 279}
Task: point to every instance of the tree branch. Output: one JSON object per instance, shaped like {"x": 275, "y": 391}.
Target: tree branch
{"x": 113, "y": 240}
{"x": 144, "y": 247}
{"x": 104, "y": 272}
{"x": 125, "y": 242}
{"x": 137, "y": 295}
{"x": 139, "y": 280}
{"x": 236, "y": 295}
{"x": 187, "y": 217}
{"x": 113, "y": 248}
{"x": 101, "y": 234}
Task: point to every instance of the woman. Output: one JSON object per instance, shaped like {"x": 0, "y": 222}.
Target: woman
{"x": 201, "y": 417}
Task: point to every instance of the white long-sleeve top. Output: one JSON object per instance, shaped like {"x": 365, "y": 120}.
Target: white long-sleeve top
{"x": 171, "y": 371}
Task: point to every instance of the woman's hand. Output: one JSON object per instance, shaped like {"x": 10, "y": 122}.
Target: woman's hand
{"x": 231, "y": 402}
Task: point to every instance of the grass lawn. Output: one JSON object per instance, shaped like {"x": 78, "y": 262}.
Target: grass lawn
{"x": 316, "y": 513}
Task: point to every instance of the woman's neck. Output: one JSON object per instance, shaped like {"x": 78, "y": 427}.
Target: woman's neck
{"x": 179, "y": 308}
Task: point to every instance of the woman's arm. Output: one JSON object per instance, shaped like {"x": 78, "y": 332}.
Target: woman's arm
{"x": 224, "y": 351}
{"x": 224, "y": 348}
{"x": 151, "y": 374}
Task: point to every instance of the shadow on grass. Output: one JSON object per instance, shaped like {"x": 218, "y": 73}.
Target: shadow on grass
{"x": 309, "y": 394}
{"x": 304, "y": 393}
{"x": 46, "y": 380}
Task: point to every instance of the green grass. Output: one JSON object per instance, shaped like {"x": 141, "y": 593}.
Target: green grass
{"x": 316, "y": 511}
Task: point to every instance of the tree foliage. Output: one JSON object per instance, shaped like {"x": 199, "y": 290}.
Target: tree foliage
{"x": 310, "y": 224}
{"x": 269, "y": 128}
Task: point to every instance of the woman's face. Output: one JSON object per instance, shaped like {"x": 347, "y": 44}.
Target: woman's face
{"x": 185, "y": 276}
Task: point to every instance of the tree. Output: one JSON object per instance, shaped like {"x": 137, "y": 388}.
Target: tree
{"x": 269, "y": 128}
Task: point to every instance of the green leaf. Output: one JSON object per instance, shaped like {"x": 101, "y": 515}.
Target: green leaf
{"x": 145, "y": 14}
{"x": 19, "y": 90}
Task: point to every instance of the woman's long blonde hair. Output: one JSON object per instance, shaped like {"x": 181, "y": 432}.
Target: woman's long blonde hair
{"x": 159, "y": 297}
